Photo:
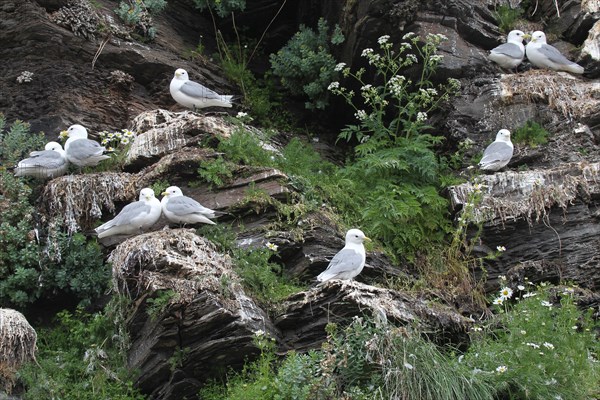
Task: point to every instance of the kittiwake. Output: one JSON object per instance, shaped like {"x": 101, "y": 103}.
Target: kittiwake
{"x": 193, "y": 95}
{"x": 543, "y": 55}
{"x": 510, "y": 54}
{"x": 82, "y": 151}
{"x": 499, "y": 153}
{"x": 181, "y": 209}
{"x": 349, "y": 261}
{"x": 48, "y": 163}
{"x": 134, "y": 217}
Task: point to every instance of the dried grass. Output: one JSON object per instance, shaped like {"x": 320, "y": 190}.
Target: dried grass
{"x": 79, "y": 199}
{"x": 529, "y": 195}
{"x": 569, "y": 95}
{"x": 175, "y": 259}
{"x": 17, "y": 345}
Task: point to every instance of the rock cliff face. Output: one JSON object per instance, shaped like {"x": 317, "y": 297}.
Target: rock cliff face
{"x": 189, "y": 315}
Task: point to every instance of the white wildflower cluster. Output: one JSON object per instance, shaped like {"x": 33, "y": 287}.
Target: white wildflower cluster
{"x": 428, "y": 95}
{"x": 113, "y": 139}
{"x": 501, "y": 369}
{"x": 436, "y": 38}
{"x": 339, "y": 66}
{"x": 408, "y": 35}
{"x": 435, "y": 58}
{"x": 361, "y": 115}
{"x": 383, "y": 39}
{"x": 396, "y": 84}
{"x": 505, "y": 294}
{"x": 333, "y": 86}
{"x": 501, "y": 249}
{"x": 546, "y": 304}
{"x": 366, "y": 52}
{"x": 421, "y": 116}
{"x": 25, "y": 77}
{"x": 244, "y": 117}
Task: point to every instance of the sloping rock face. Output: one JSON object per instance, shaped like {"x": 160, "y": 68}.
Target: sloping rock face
{"x": 307, "y": 313}
{"x": 189, "y": 311}
{"x": 546, "y": 219}
{"x": 17, "y": 346}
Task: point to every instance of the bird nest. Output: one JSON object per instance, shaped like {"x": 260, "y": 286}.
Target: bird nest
{"x": 172, "y": 259}
{"x": 569, "y": 95}
{"x": 17, "y": 345}
{"x": 529, "y": 195}
{"x": 79, "y": 199}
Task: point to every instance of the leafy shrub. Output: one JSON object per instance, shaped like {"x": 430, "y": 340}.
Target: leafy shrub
{"x": 138, "y": 14}
{"x": 506, "y": 16}
{"x": 29, "y": 270}
{"x": 531, "y": 134}
{"x": 217, "y": 171}
{"x": 17, "y": 142}
{"x": 223, "y": 7}
{"x": 305, "y": 64}
{"x": 539, "y": 346}
{"x": 82, "y": 357}
{"x": 395, "y": 159}
{"x": 245, "y": 147}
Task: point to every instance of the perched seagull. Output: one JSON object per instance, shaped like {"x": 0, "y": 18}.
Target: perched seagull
{"x": 181, "y": 209}
{"x": 510, "y": 54}
{"x": 499, "y": 153}
{"x": 134, "y": 217}
{"x": 82, "y": 151}
{"x": 542, "y": 55}
{"x": 349, "y": 261}
{"x": 48, "y": 163}
{"x": 193, "y": 95}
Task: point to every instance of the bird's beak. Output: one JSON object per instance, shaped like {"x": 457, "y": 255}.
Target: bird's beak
{"x": 527, "y": 36}
{"x": 178, "y": 74}
{"x": 165, "y": 193}
{"x": 368, "y": 239}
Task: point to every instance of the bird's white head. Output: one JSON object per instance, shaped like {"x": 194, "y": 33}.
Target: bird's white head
{"x": 146, "y": 194}
{"x": 355, "y": 236}
{"x": 53, "y": 146}
{"x": 172, "y": 191}
{"x": 77, "y": 132}
{"x": 515, "y": 36}
{"x": 181, "y": 74}
{"x": 538, "y": 37}
{"x": 503, "y": 135}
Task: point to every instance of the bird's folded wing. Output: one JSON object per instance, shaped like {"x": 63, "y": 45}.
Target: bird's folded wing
{"x": 84, "y": 148}
{"x": 344, "y": 261}
{"x": 196, "y": 90}
{"x": 131, "y": 212}
{"x": 182, "y": 205}
{"x": 509, "y": 49}
{"x": 497, "y": 151}
{"x": 552, "y": 53}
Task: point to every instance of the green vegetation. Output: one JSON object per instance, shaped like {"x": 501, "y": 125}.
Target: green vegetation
{"x": 260, "y": 276}
{"x": 395, "y": 161}
{"x": 533, "y": 350}
{"x": 305, "y": 65}
{"x": 540, "y": 346}
{"x": 531, "y": 134}
{"x": 137, "y": 14}
{"x": 82, "y": 357}
{"x": 506, "y": 17}
{"x": 158, "y": 304}
{"x": 222, "y": 7}
{"x": 17, "y": 142}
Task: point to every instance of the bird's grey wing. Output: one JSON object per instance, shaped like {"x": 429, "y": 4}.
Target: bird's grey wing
{"x": 183, "y": 205}
{"x": 130, "y": 212}
{"x": 45, "y": 159}
{"x": 196, "y": 90}
{"x": 552, "y": 53}
{"x": 497, "y": 151}
{"x": 344, "y": 261}
{"x": 84, "y": 148}
{"x": 509, "y": 49}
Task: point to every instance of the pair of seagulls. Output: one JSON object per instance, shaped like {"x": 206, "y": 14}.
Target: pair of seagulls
{"x": 510, "y": 54}
{"x": 53, "y": 161}
{"x": 142, "y": 214}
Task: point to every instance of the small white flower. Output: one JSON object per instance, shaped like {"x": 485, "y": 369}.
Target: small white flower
{"x": 498, "y": 301}
{"x": 63, "y": 134}
{"x": 546, "y": 304}
{"x": 366, "y": 52}
{"x": 383, "y": 39}
{"x": 104, "y": 142}
{"x": 501, "y": 369}
{"x": 118, "y": 135}
{"x": 408, "y": 366}
{"x": 520, "y": 287}
{"x": 574, "y": 327}
{"x": 477, "y": 328}
{"x": 25, "y": 77}
{"x": 333, "y": 85}
{"x": 535, "y": 346}
{"x": 241, "y": 114}
{"x": 502, "y": 277}
{"x": 526, "y": 295}
{"x": 125, "y": 141}
{"x": 523, "y": 332}
{"x": 421, "y": 116}
{"x": 436, "y": 58}
{"x": 366, "y": 87}
{"x": 408, "y": 35}
{"x": 339, "y": 66}
{"x": 259, "y": 333}
{"x": 272, "y": 246}
{"x": 361, "y": 115}
{"x": 548, "y": 345}
{"x": 506, "y": 293}
{"x": 501, "y": 249}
